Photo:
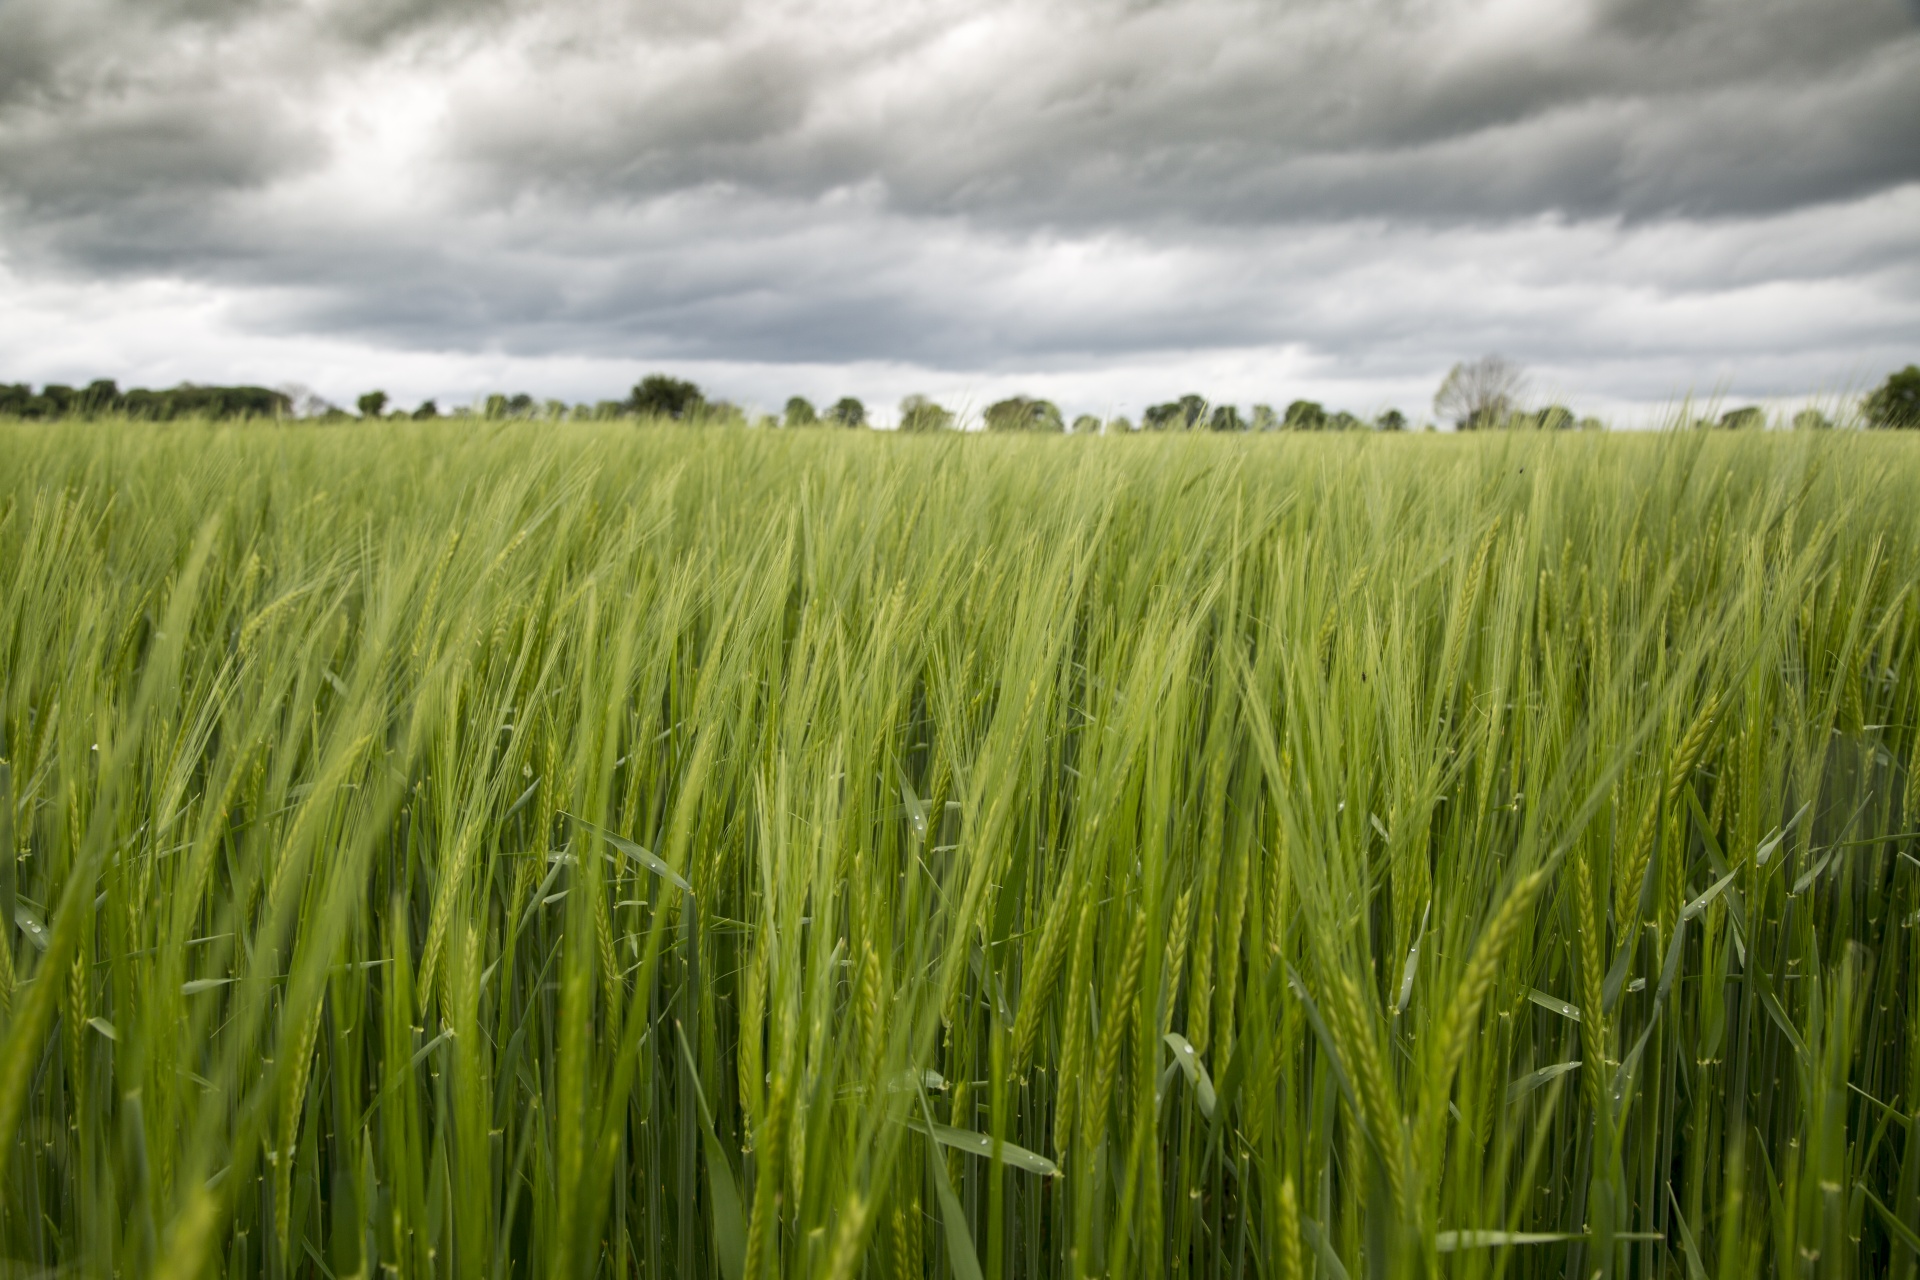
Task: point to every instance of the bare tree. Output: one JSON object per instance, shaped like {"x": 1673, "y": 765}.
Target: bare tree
{"x": 1484, "y": 393}
{"x": 307, "y": 403}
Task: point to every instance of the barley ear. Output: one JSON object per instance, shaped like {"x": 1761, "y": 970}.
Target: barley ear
{"x": 869, "y": 1003}
{"x": 751, "y": 1060}
{"x": 1362, "y": 1050}
{"x": 763, "y": 1219}
{"x": 1176, "y": 956}
{"x": 1482, "y": 968}
{"x": 1114, "y": 1033}
{"x": 1593, "y": 1032}
{"x": 1067, "y": 1081}
{"x": 1626, "y": 889}
{"x": 1686, "y": 757}
{"x": 1289, "y": 1255}
{"x": 1045, "y": 967}
{"x": 291, "y": 1104}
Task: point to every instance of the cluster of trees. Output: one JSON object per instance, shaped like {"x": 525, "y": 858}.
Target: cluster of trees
{"x": 1188, "y": 413}
{"x": 1484, "y": 395}
{"x": 844, "y": 412}
{"x": 654, "y": 396}
{"x": 919, "y": 415}
{"x": 374, "y": 405}
{"x": 1486, "y": 392}
{"x": 1193, "y": 413}
{"x": 188, "y": 400}
{"x": 1752, "y": 417}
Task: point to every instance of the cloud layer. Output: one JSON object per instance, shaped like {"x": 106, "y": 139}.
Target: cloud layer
{"x": 1636, "y": 197}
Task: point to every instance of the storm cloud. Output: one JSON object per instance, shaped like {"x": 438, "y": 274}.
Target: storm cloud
{"x": 1637, "y": 198}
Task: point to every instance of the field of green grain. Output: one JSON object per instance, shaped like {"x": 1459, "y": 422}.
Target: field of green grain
{"x": 625, "y": 851}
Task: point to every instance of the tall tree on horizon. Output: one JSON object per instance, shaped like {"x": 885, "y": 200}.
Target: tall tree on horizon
{"x": 1481, "y": 393}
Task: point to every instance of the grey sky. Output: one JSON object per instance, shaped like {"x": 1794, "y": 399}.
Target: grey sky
{"x": 1104, "y": 201}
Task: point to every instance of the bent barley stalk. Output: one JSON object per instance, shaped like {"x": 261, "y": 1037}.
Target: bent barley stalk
{"x": 933, "y": 766}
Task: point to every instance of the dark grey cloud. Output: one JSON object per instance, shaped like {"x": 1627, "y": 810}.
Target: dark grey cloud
{"x": 1095, "y": 113}
{"x": 1081, "y": 112}
{"x": 711, "y": 276}
{"x": 375, "y": 24}
{"x": 112, "y": 114}
{"x": 132, "y": 160}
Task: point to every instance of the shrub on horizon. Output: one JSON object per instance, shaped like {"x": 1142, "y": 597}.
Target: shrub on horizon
{"x": 1305, "y": 415}
{"x": 1895, "y": 404}
{"x": 660, "y": 396}
{"x": 919, "y": 414}
{"x": 1176, "y": 415}
{"x": 847, "y": 412}
{"x": 1023, "y": 413}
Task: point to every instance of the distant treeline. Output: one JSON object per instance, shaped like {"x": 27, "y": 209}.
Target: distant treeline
{"x": 187, "y": 400}
{"x": 1477, "y": 396}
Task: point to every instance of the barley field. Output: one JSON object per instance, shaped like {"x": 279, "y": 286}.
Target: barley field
{"x": 598, "y": 850}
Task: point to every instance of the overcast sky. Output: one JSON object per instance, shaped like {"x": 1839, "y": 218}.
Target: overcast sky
{"x": 1109, "y": 202}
